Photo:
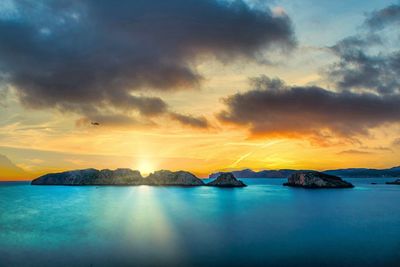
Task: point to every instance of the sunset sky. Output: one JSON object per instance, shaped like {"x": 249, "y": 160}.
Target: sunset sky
{"x": 199, "y": 85}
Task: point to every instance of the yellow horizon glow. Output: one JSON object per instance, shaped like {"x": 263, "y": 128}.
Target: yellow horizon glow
{"x": 53, "y": 143}
{"x": 145, "y": 166}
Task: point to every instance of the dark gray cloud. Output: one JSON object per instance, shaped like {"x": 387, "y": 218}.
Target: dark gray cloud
{"x": 83, "y": 56}
{"x": 366, "y": 80}
{"x": 196, "y": 122}
{"x": 273, "y": 108}
{"x": 358, "y": 70}
{"x": 366, "y": 61}
{"x": 380, "y": 18}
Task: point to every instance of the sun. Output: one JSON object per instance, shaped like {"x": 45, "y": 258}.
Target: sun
{"x": 145, "y": 167}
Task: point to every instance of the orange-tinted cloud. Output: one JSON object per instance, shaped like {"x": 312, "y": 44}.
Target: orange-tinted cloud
{"x": 89, "y": 57}
{"x": 273, "y": 108}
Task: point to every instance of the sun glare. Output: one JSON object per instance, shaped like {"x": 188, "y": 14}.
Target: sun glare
{"x": 145, "y": 167}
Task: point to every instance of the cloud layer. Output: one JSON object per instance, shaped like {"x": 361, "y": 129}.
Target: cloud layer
{"x": 366, "y": 91}
{"x": 381, "y": 18}
{"x": 365, "y": 62}
{"x": 87, "y": 56}
{"x": 273, "y": 108}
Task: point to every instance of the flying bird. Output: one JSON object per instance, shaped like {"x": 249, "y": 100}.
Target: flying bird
{"x": 95, "y": 123}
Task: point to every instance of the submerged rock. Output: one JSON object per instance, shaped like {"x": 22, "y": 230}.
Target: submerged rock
{"x": 314, "y": 179}
{"x": 394, "y": 182}
{"x": 180, "y": 178}
{"x": 91, "y": 177}
{"x": 226, "y": 180}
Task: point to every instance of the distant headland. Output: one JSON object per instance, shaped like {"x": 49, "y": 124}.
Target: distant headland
{"x": 349, "y": 173}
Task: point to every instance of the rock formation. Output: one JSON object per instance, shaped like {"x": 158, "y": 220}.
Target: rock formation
{"x": 314, "y": 179}
{"x": 226, "y": 180}
{"x": 118, "y": 177}
{"x": 394, "y": 182}
{"x": 91, "y": 177}
{"x": 179, "y": 178}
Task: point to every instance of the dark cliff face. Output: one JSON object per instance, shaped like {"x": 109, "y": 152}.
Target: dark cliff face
{"x": 313, "y": 179}
{"x": 118, "y": 177}
{"x": 121, "y": 176}
{"x": 180, "y": 178}
{"x": 91, "y": 177}
{"x": 226, "y": 180}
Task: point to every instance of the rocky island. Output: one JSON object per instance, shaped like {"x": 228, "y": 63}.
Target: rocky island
{"x": 394, "y": 182}
{"x": 314, "y": 179}
{"x": 91, "y": 177}
{"x": 130, "y": 177}
{"x": 181, "y": 178}
{"x": 226, "y": 180}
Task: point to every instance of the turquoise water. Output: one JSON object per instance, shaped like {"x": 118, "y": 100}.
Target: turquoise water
{"x": 260, "y": 225}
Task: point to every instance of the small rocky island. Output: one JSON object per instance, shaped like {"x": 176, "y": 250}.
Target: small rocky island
{"x": 314, "y": 179}
{"x": 130, "y": 177}
{"x": 394, "y": 182}
{"x": 226, "y": 180}
{"x": 165, "y": 177}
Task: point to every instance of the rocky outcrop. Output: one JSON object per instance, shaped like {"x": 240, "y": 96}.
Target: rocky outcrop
{"x": 179, "y": 178}
{"x": 394, "y": 182}
{"x": 226, "y": 180}
{"x": 91, "y": 177}
{"x": 118, "y": 177}
{"x": 314, "y": 179}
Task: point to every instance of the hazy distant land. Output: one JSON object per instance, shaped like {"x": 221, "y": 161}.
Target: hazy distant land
{"x": 349, "y": 173}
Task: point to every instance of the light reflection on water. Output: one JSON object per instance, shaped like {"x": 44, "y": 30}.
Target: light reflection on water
{"x": 262, "y": 224}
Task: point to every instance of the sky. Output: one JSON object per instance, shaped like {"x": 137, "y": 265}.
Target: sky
{"x": 198, "y": 85}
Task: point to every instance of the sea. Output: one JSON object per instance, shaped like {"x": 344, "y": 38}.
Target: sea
{"x": 263, "y": 224}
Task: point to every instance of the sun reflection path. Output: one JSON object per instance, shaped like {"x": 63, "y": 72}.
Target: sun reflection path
{"x": 150, "y": 225}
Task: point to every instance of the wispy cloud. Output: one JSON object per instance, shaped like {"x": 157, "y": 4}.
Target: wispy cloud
{"x": 259, "y": 146}
{"x": 354, "y": 152}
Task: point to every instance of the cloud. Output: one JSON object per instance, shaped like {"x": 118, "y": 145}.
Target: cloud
{"x": 85, "y": 56}
{"x": 196, "y": 122}
{"x": 366, "y": 61}
{"x": 273, "y": 108}
{"x": 360, "y": 71}
{"x": 379, "y": 148}
{"x": 380, "y": 18}
{"x": 354, "y": 152}
{"x": 366, "y": 93}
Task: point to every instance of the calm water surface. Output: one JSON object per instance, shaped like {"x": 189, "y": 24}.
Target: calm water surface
{"x": 260, "y": 225}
